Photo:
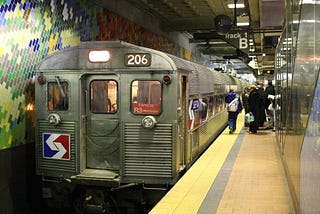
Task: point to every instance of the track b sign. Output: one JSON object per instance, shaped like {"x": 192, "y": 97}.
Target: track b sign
{"x": 238, "y": 39}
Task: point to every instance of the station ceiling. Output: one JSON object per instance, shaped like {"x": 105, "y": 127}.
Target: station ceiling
{"x": 199, "y": 19}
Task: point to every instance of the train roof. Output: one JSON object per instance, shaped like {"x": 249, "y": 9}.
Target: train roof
{"x": 202, "y": 79}
{"x": 76, "y": 58}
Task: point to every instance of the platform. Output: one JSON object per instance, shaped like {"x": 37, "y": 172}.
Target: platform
{"x": 239, "y": 173}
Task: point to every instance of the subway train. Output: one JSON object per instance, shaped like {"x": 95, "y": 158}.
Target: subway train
{"x": 117, "y": 124}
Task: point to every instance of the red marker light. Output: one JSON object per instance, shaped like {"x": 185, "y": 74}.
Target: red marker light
{"x": 41, "y": 80}
{"x": 166, "y": 79}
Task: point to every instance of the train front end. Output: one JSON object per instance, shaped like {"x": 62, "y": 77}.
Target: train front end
{"x": 105, "y": 120}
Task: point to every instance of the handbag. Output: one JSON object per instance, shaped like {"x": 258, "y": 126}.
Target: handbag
{"x": 249, "y": 117}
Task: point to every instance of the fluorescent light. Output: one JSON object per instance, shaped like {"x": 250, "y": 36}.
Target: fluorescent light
{"x": 243, "y": 23}
{"x": 238, "y": 5}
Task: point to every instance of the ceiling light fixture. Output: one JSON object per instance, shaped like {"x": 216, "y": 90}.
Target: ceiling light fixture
{"x": 235, "y": 5}
{"x": 238, "y": 5}
{"x": 243, "y": 21}
{"x": 243, "y": 24}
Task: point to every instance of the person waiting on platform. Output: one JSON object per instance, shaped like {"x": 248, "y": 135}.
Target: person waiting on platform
{"x": 234, "y": 108}
{"x": 254, "y": 109}
{"x": 245, "y": 101}
{"x": 270, "y": 104}
{"x": 261, "y": 104}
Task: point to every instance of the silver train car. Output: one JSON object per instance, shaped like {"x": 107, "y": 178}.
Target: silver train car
{"x": 115, "y": 121}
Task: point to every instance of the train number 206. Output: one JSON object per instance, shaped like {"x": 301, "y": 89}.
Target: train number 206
{"x": 138, "y": 60}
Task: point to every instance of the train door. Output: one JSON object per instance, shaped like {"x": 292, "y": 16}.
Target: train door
{"x": 182, "y": 121}
{"x": 102, "y": 122}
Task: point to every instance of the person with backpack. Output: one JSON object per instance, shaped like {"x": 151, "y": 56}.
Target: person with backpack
{"x": 234, "y": 108}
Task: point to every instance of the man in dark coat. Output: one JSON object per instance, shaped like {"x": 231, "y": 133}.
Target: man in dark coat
{"x": 270, "y": 111}
{"x": 262, "y": 112}
{"x": 254, "y": 108}
{"x": 245, "y": 101}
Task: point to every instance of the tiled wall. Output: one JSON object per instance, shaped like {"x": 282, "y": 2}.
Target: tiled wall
{"x": 31, "y": 30}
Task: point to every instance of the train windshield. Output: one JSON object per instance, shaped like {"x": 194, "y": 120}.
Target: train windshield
{"x": 58, "y": 96}
{"x": 146, "y": 97}
{"x": 103, "y": 96}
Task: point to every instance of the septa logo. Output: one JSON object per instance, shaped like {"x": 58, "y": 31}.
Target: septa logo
{"x": 56, "y": 146}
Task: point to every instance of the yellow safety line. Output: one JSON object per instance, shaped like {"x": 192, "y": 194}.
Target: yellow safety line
{"x": 188, "y": 193}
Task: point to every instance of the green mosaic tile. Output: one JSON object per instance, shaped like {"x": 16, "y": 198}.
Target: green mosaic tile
{"x": 11, "y": 76}
{"x": 4, "y": 136}
{"x": 14, "y": 62}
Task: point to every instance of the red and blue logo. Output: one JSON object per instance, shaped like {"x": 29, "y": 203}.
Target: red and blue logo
{"x": 56, "y": 146}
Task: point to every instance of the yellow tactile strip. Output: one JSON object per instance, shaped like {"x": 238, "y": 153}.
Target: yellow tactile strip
{"x": 257, "y": 182}
{"x": 187, "y": 195}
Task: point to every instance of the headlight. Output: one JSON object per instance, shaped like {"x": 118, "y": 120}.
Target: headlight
{"x": 54, "y": 119}
{"x": 148, "y": 122}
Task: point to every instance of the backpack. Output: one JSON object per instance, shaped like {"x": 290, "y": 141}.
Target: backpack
{"x": 233, "y": 105}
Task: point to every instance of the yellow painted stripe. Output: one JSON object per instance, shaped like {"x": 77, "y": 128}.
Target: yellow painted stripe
{"x": 189, "y": 192}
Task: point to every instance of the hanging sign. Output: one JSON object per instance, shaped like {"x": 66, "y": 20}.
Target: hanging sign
{"x": 238, "y": 39}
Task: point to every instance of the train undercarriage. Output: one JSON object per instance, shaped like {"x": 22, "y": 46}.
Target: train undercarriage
{"x": 133, "y": 198}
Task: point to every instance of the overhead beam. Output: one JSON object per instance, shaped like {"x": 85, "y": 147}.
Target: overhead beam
{"x": 189, "y": 24}
{"x": 206, "y": 36}
{"x": 254, "y": 9}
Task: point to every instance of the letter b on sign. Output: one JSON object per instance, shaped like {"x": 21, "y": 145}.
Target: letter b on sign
{"x": 243, "y": 43}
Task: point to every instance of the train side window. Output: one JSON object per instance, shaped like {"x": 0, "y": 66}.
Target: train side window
{"x": 103, "y": 96}
{"x": 210, "y": 106}
{"x": 146, "y": 97}
{"x": 58, "y": 96}
{"x": 215, "y": 105}
{"x": 204, "y": 108}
